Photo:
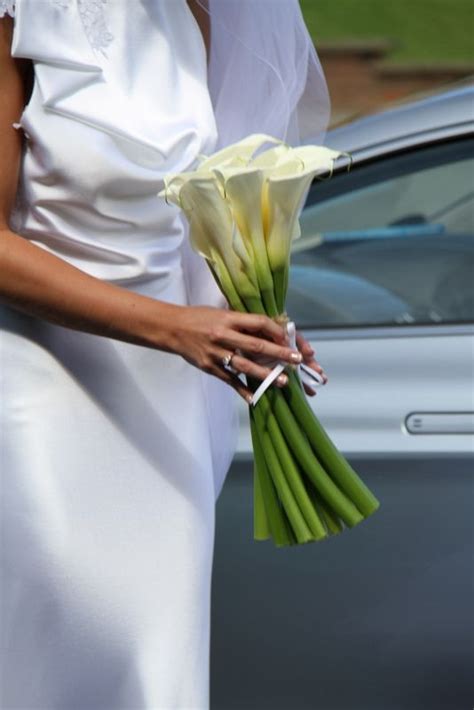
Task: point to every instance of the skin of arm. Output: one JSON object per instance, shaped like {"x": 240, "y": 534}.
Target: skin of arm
{"x": 203, "y": 20}
{"x": 47, "y": 287}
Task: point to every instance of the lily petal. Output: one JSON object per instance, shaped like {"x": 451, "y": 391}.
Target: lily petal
{"x": 238, "y": 153}
{"x": 212, "y": 229}
{"x": 316, "y": 158}
{"x": 282, "y": 202}
{"x": 243, "y": 190}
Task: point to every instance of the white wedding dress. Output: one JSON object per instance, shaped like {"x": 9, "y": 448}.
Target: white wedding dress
{"x": 110, "y": 466}
{"x": 112, "y": 455}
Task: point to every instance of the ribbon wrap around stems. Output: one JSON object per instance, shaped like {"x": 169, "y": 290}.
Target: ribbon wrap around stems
{"x": 306, "y": 374}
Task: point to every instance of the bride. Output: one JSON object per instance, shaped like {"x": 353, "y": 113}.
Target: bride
{"x": 117, "y": 413}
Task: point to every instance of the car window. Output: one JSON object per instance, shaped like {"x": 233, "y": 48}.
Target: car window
{"x": 389, "y": 243}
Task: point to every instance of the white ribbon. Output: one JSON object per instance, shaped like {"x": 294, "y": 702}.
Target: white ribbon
{"x": 306, "y": 374}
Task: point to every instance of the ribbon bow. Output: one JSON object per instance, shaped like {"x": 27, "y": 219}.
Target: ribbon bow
{"x": 307, "y": 375}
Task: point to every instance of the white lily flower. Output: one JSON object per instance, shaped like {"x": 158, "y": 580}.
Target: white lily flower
{"x": 243, "y": 189}
{"x": 283, "y": 195}
{"x": 243, "y": 211}
{"x": 214, "y": 234}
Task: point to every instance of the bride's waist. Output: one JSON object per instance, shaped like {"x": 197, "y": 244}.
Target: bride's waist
{"x": 126, "y": 253}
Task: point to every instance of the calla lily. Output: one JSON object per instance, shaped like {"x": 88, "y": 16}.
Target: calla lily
{"x": 213, "y": 232}
{"x": 281, "y": 203}
{"x": 272, "y": 157}
{"x": 243, "y": 191}
{"x": 282, "y": 199}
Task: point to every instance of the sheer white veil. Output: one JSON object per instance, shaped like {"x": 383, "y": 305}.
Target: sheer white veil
{"x": 264, "y": 76}
{"x": 264, "y": 73}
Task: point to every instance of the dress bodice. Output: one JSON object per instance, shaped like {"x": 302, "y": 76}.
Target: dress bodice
{"x": 119, "y": 101}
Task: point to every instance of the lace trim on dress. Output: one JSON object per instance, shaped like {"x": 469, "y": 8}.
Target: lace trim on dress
{"x": 7, "y": 6}
{"x": 93, "y": 19}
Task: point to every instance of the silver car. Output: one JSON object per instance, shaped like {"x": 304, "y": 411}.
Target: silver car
{"x": 379, "y": 617}
{"x": 382, "y": 282}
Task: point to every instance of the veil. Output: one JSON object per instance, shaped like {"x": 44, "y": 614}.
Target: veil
{"x": 264, "y": 76}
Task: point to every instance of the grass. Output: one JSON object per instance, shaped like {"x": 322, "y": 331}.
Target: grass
{"x": 425, "y": 31}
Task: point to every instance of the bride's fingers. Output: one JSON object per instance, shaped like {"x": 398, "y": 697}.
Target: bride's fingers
{"x": 259, "y": 347}
{"x": 308, "y": 357}
{"x": 235, "y": 382}
{"x": 304, "y": 346}
{"x": 260, "y": 324}
{"x": 254, "y": 369}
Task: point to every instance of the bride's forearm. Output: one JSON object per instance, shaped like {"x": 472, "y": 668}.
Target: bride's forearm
{"x": 43, "y": 285}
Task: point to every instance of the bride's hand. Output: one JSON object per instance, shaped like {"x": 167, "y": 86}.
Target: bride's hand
{"x": 205, "y": 335}
{"x": 308, "y": 358}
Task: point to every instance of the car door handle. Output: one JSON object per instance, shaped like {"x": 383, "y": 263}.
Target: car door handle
{"x": 440, "y": 423}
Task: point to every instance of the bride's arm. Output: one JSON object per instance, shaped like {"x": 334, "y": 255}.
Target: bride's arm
{"x": 43, "y": 285}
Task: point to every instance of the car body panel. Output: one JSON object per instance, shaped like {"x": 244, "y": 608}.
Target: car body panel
{"x": 431, "y": 119}
{"x": 379, "y": 376}
{"x": 377, "y": 379}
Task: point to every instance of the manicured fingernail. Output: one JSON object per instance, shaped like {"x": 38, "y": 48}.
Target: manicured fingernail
{"x": 282, "y": 379}
{"x": 296, "y": 357}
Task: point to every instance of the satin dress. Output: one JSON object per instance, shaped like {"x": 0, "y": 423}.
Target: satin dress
{"x": 112, "y": 455}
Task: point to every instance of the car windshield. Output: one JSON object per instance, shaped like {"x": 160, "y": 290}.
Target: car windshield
{"x": 388, "y": 243}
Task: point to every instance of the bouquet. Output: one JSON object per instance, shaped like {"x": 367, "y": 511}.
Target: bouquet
{"x": 243, "y": 213}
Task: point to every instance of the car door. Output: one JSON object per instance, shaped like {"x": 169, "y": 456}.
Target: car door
{"x": 382, "y": 284}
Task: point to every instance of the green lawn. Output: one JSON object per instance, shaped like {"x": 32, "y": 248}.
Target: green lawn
{"x": 424, "y": 30}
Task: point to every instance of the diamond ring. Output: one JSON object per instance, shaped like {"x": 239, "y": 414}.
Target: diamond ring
{"x": 227, "y": 362}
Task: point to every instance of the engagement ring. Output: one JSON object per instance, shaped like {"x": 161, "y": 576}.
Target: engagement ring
{"x": 227, "y": 362}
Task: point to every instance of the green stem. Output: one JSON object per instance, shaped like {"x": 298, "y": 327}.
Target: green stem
{"x": 331, "y": 458}
{"x": 261, "y": 524}
{"x": 286, "y": 276}
{"x": 308, "y": 461}
{"x": 274, "y": 515}
{"x": 265, "y": 283}
{"x": 269, "y": 301}
{"x": 331, "y": 521}
{"x": 241, "y": 296}
{"x": 291, "y": 472}
{"x": 279, "y": 285}
{"x": 300, "y": 528}
{"x": 226, "y": 285}
{"x": 254, "y": 304}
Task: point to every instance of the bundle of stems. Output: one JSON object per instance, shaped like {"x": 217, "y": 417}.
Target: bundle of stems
{"x": 304, "y": 488}
{"x": 243, "y": 215}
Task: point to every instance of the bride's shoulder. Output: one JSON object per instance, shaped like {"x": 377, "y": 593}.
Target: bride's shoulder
{"x": 7, "y": 7}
